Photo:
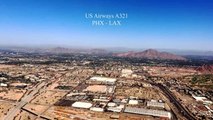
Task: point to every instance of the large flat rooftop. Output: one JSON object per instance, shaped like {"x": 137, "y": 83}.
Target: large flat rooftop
{"x": 142, "y": 111}
{"x": 103, "y": 79}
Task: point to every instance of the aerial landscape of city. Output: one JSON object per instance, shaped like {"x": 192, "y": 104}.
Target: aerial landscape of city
{"x": 106, "y": 60}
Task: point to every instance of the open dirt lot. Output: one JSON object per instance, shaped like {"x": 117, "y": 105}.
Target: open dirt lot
{"x": 12, "y": 94}
{"x": 37, "y": 109}
{"x": 145, "y": 93}
{"x": 48, "y": 97}
{"x": 97, "y": 88}
{"x": 23, "y": 115}
{"x": 4, "y": 108}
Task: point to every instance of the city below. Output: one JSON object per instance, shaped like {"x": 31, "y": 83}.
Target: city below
{"x": 96, "y": 84}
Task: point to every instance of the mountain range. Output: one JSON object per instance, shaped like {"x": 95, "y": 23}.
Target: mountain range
{"x": 150, "y": 54}
{"x": 119, "y": 52}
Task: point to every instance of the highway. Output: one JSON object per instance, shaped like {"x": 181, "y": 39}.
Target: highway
{"x": 26, "y": 99}
{"x": 178, "y": 105}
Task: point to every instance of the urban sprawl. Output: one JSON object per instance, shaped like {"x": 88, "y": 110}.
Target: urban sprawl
{"x": 37, "y": 86}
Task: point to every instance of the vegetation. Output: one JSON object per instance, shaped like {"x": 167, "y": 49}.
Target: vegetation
{"x": 202, "y": 79}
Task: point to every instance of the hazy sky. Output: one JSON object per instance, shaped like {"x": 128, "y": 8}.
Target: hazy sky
{"x": 169, "y": 24}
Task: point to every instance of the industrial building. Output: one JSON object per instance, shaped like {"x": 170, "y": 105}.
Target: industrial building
{"x": 133, "y": 102}
{"x": 103, "y": 79}
{"x": 142, "y": 111}
{"x": 85, "y": 105}
{"x": 97, "y": 109}
{"x": 114, "y": 109}
{"x": 202, "y": 99}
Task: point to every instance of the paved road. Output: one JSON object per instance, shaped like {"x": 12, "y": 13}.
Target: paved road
{"x": 181, "y": 109}
{"x": 26, "y": 99}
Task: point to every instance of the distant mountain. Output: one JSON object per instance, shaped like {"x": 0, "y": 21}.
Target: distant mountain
{"x": 151, "y": 54}
{"x": 58, "y": 50}
{"x": 119, "y": 51}
{"x": 207, "y": 69}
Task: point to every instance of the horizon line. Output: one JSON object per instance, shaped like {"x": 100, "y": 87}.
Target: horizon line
{"x": 48, "y": 46}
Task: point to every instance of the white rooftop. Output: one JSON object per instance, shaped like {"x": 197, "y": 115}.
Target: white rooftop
{"x": 103, "y": 79}
{"x": 133, "y": 102}
{"x": 151, "y": 112}
{"x": 82, "y": 105}
{"x": 97, "y": 109}
{"x": 198, "y": 98}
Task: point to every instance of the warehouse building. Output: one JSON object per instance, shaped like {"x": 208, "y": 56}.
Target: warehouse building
{"x": 142, "y": 111}
{"x": 84, "y": 105}
{"x": 103, "y": 79}
{"x": 133, "y": 102}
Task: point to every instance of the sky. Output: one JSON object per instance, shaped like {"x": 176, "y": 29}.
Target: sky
{"x": 158, "y": 24}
